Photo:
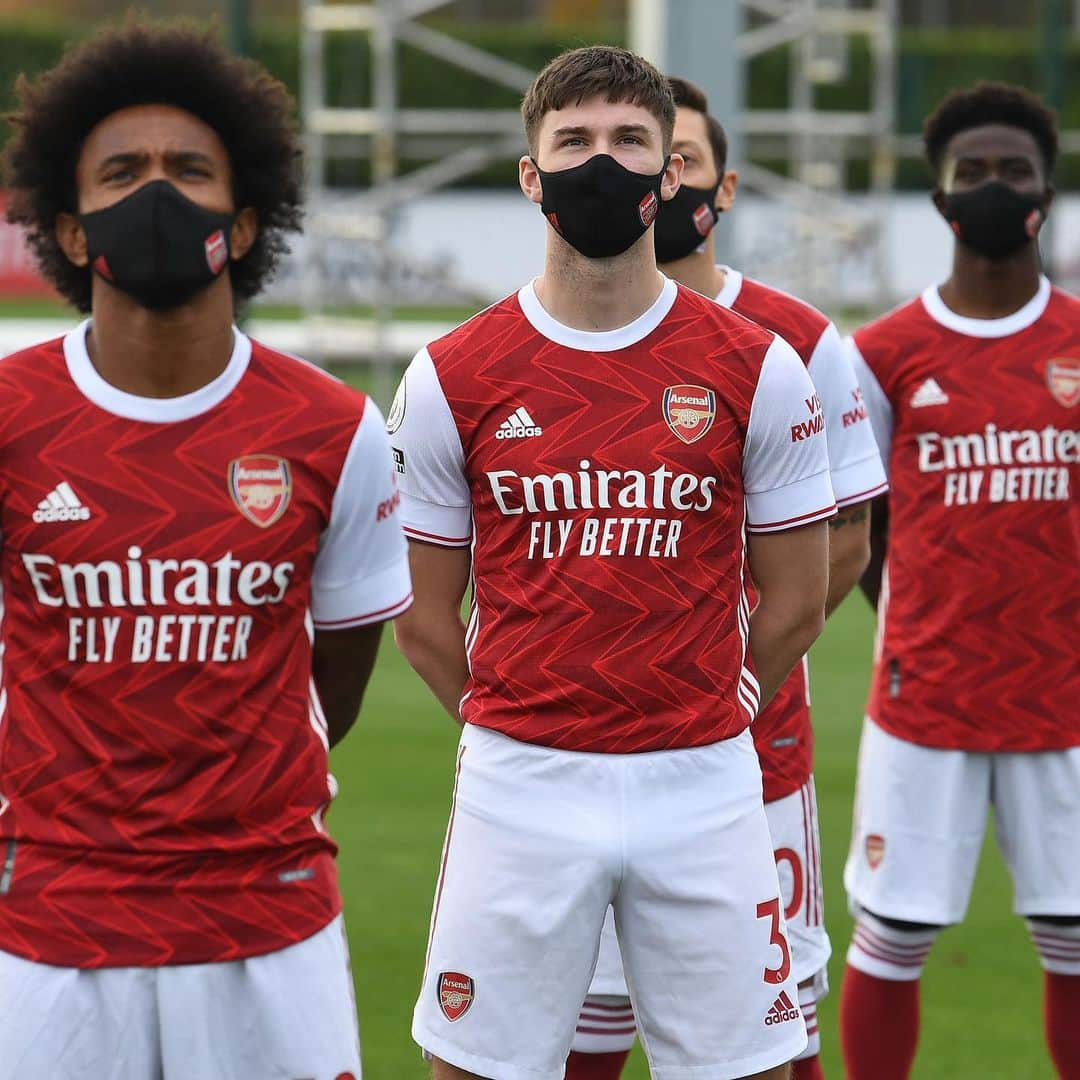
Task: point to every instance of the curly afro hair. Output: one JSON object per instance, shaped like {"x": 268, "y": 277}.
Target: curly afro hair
{"x": 142, "y": 64}
{"x": 990, "y": 103}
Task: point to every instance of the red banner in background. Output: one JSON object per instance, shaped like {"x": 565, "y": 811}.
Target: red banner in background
{"x": 18, "y": 272}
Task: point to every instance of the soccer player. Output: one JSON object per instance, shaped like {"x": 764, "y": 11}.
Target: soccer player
{"x": 972, "y": 390}
{"x": 591, "y": 451}
{"x": 686, "y": 251}
{"x": 199, "y": 548}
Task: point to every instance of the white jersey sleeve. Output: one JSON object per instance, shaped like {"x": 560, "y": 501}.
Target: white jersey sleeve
{"x": 361, "y": 572}
{"x": 785, "y": 459}
{"x": 878, "y": 407}
{"x": 854, "y": 464}
{"x": 435, "y": 499}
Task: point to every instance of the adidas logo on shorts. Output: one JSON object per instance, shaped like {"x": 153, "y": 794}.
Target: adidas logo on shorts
{"x": 782, "y": 1010}
{"x": 61, "y": 504}
{"x": 519, "y": 425}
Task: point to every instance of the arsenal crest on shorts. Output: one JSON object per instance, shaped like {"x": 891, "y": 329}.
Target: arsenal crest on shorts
{"x": 689, "y": 411}
{"x": 1063, "y": 378}
{"x": 875, "y": 850}
{"x": 455, "y": 994}
{"x": 261, "y": 487}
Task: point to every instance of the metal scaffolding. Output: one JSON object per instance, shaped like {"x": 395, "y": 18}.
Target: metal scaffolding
{"x": 466, "y": 141}
{"x": 818, "y": 228}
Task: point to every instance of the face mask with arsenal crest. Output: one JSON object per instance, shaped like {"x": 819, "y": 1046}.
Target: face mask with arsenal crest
{"x": 600, "y": 208}
{"x": 157, "y": 245}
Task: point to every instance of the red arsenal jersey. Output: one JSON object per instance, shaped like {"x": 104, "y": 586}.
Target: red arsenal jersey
{"x": 977, "y": 623}
{"x": 163, "y": 752}
{"x": 605, "y": 481}
{"x": 783, "y": 733}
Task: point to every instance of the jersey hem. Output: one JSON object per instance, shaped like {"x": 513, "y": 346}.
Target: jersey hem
{"x": 899, "y": 733}
{"x": 391, "y": 612}
{"x": 791, "y": 523}
{"x": 435, "y": 538}
{"x": 863, "y": 496}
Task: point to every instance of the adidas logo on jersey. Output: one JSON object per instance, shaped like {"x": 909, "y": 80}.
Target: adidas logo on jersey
{"x": 519, "y": 425}
{"x": 783, "y": 1009}
{"x": 929, "y": 394}
{"x": 61, "y": 504}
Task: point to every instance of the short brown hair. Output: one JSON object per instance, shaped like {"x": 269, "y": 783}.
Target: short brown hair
{"x": 592, "y": 71}
{"x": 689, "y": 95}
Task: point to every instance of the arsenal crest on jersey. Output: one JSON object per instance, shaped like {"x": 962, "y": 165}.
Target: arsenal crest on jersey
{"x": 261, "y": 487}
{"x": 456, "y": 992}
{"x": 875, "y": 850}
{"x": 1063, "y": 378}
{"x": 689, "y": 411}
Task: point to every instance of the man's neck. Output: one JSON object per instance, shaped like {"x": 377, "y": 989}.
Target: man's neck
{"x": 698, "y": 271}
{"x": 161, "y": 354}
{"x": 598, "y": 294}
{"x": 981, "y": 288}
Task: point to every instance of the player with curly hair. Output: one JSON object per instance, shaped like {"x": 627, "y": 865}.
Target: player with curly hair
{"x": 198, "y": 549}
{"x": 972, "y": 390}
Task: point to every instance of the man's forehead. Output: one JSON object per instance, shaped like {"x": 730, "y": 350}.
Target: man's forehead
{"x": 599, "y": 113}
{"x": 146, "y": 127}
{"x": 992, "y": 141}
{"x": 690, "y": 125}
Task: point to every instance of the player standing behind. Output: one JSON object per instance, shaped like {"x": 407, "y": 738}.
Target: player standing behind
{"x": 973, "y": 391}
{"x": 686, "y": 249}
{"x": 199, "y": 549}
{"x": 592, "y": 450}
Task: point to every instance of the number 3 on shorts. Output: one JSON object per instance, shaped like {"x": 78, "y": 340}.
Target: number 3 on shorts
{"x": 770, "y": 909}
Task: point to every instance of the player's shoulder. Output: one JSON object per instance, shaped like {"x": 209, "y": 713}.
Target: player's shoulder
{"x": 720, "y": 327}
{"x": 306, "y": 381}
{"x": 32, "y": 360}
{"x": 1063, "y": 306}
{"x": 894, "y": 333}
{"x": 479, "y": 330}
{"x": 799, "y": 323}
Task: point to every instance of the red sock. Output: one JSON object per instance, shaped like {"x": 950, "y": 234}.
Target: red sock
{"x": 581, "y": 1066}
{"x": 1061, "y": 1010}
{"x": 807, "y": 1069}
{"x": 879, "y": 1026}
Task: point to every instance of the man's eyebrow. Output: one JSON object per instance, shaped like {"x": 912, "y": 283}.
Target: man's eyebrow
{"x": 128, "y": 157}
{"x": 621, "y": 129}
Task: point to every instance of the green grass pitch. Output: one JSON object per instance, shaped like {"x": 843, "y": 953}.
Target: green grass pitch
{"x": 982, "y": 989}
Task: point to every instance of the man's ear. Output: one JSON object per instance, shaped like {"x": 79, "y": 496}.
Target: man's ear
{"x": 244, "y": 231}
{"x": 725, "y": 193}
{"x": 529, "y": 180}
{"x": 71, "y": 237}
{"x": 672, "y": 178}
{"x": 937, "y": 197}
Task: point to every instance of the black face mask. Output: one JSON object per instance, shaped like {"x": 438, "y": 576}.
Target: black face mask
{"x": 685, "y": 221}
{"x": 600, "y": 208}
{"x": 157, "y": 245}
{"x": 994, "y": 219}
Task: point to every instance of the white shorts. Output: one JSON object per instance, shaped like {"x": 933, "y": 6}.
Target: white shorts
{"x": 793, "y": 825}
{"x": 283, "y": 1016}
{"x": 540, "y": 843}
{"x": 920, "y": 815}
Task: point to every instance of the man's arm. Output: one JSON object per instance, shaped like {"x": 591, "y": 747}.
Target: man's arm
{"x": 431, "y": 634}
{"x": 849, "y": 552}
{"x": 341, "y": 664}
{"x": 789, "y": 570}
{"x": 870, "y": 582}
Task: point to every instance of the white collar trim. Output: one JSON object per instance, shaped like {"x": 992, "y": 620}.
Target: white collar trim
{"x": 733, "y": 283}
{"x": 152, "y": 410}
{"x": 1019, "y": 320}
{"x": 597, "y": 340}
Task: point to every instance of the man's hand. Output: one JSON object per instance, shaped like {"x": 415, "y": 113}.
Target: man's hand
{"x": 431, "y": 634}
